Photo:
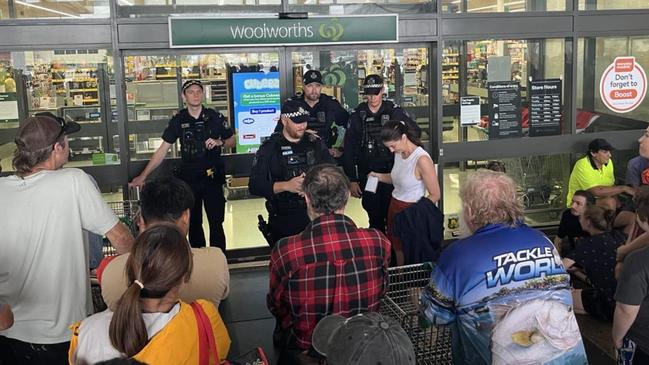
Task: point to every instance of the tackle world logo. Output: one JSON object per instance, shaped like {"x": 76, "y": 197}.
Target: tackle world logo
{"x": 333, "y": 31}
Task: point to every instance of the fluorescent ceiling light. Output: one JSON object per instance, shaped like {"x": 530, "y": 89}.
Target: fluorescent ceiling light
{"x": 46, "y": 9}
{"x": 126, "y": 2}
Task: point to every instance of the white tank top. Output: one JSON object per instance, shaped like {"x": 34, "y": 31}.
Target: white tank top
{"x": 406, "y": 186}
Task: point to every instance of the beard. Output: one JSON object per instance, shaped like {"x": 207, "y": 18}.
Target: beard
{"x": 312, "y": 96}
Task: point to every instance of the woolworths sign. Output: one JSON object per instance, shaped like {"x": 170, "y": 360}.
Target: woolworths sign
{"x": 230, "y": 32}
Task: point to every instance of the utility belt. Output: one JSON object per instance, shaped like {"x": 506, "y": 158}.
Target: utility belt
{"x": 382, "y": 167}
{"x": 285, "y": 206}
{"x": 211, "y": 173}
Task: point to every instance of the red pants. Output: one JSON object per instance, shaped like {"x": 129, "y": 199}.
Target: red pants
{"x": 396, "y": 206}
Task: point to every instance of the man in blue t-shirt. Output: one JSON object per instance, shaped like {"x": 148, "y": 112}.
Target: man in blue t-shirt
{"x": 503, "y": 289}
{"x": 637, "y": 169}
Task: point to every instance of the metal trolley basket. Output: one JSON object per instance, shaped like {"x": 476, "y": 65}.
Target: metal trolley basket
{"x": 432, "y": 344}
{"x": 127, "y": 211}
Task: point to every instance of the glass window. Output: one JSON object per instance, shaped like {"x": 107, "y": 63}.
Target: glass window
{"x": 405, "y": 71}
{"x": 153, "y": 85}
{"x": 72, "y": 84}
{"x": 362, "y": 7}
{"x": 610, "y": 97}
{"x": 58, "y": 9}
{"x": 612, "y": 4}
{"x": 501, "y": 6}
{"x": 147, "y": 8}
{"x": 468, "y": 68}
{"x": 152, "y": 98}
{"x": 541, "y": 184}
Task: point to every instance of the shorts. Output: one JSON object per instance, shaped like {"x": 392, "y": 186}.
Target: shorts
{"x": 597, "y": 304}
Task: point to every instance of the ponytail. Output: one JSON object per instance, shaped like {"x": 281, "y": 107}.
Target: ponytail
{"x": 127, "y": 329}
{"x": 160, "y": 261}
{"x": 394, "y": 129}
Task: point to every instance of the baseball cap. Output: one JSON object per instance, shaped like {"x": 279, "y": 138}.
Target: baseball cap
{"x": 364, "y": 339}
{"x": 373, "y": 84}
{"x": 189, "y": 83}
{"x": 312, "y": 76}
{"x": 295, "y": 111}
{"x": 42, "y": 130}
{"x": 599, "y": 144}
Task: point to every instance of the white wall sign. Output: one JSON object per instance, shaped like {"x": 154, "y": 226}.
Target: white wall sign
{"x": 623, "y": 85}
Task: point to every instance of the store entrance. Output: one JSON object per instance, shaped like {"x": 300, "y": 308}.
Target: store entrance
{"x": 248, "y": 87}
{"x": 403, "y": 67}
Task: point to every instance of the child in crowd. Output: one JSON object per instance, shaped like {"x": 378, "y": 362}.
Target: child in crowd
{"x": 150, "y": 323}
{"x": 594, "y": 259}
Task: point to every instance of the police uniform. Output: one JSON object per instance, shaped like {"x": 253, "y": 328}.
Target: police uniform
{"x": 365, "y": 152}
{"x": 202, "y": 169}
{"x": 278, "y": 160}
{"x": 324, "y": 114}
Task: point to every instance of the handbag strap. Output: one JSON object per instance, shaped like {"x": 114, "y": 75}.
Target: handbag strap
{"x": 206, "y": 342}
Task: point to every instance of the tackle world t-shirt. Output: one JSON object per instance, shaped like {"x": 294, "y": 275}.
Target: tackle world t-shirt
{"x": 507, "y": 298}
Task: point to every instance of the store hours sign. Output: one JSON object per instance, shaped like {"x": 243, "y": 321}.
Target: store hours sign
{"x": 623, "y": 85}
{"x": 185, "y": 32}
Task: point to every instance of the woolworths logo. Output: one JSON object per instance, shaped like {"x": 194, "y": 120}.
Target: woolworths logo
{"x": 333, "y": 31}
{"x": 185, "y": 32}
{"x": 264, "y": 31}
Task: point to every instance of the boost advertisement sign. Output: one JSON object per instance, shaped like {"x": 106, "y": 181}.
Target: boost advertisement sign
{"x": 256, "y": 107}
{"x": 623, "y": 85}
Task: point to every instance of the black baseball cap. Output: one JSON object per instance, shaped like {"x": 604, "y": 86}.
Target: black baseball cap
{"x": 599, "y": 144}
{"x": 189, "y": 83}
{"x": 43, "y": 130}
{"x": 369, "y": 338}
{"x": 312, "y": 76}
{"x": 295, "y": 111}
{"x": 373, "y": 84}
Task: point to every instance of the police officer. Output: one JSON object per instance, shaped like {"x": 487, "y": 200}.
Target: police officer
{"x": 203, "y": 132}
{"x": 279, "y": 168}
{"x": 365, "y": 152}
{"x": 325, "y": 110}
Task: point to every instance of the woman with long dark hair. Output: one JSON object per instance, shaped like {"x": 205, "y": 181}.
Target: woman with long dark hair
{"x": 150, "y": 323}
{"x": 594, "y": 258}
{"x": 413, "y": 174}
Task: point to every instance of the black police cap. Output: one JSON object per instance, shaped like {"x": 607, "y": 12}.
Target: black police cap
{"x": 295, "y": 111}
{"x": 189, "y": 83}
{"x": 312, "y": 76}
{"x": 373, "y": 84}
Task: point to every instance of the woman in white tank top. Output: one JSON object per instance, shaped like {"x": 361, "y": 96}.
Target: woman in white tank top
{"x": 412, "y": 175}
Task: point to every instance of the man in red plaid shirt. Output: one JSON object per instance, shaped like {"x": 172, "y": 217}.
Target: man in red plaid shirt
{"x": 332, "y": 267}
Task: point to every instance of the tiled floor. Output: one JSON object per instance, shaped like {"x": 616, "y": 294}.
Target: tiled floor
{"x": 244, "y": 312}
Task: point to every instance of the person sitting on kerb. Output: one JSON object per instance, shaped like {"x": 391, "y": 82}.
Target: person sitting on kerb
{"x": 503, "y": 290}
{"x": 170, "y": 199}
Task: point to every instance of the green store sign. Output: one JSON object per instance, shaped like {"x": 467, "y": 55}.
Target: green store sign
{"x": 230, "y": 32}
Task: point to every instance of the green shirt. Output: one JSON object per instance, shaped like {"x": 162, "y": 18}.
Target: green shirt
{"x": 584, "y": 177}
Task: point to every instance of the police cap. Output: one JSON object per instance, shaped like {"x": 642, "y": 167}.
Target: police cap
{"x": 189, "y": 83}
{"x": 373, "y": 84}
{"x": 312, "y": 76}
{"x": 295, "y": 111}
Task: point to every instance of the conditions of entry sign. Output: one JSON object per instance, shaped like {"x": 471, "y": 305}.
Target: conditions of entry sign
{"x": 623, "y": 85}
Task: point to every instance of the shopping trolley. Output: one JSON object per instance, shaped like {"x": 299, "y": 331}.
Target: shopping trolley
{"x": 432, "y": 344}
{"x": 127, "y": 211}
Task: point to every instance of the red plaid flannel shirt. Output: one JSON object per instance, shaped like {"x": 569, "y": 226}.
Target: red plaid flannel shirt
{"x": 332, "y": 267}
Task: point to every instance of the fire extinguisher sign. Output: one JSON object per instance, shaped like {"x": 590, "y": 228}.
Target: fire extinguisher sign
{"x": 623, "y": 85}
